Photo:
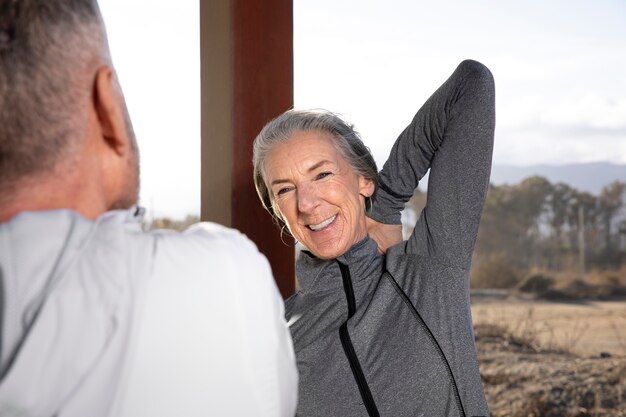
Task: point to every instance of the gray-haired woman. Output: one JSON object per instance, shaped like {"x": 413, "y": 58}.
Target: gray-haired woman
{"x": 382, "y": 327}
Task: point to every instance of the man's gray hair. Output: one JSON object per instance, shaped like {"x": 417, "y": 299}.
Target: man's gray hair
{"x": 46, "y": 46}
{"x": 347, "y": 141}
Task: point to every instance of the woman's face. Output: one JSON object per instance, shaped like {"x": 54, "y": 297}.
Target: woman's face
{"x": 318, "y": 194}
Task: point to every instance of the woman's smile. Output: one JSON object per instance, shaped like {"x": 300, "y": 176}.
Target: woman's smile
{"x": 321, "y": 226}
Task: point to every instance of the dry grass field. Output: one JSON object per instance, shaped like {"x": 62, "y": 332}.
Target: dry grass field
{"x": 541, "y": 358}
{"x": 585, "y": 328}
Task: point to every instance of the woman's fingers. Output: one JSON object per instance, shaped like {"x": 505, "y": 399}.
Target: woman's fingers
{"x": 385, "y": 235}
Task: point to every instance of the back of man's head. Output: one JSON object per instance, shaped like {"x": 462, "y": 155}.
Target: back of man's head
{"x": 50, "y": 54}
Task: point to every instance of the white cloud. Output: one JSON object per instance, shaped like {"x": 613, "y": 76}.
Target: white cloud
{"x": 591, "y": 110}
{"x": 540, "y": 146}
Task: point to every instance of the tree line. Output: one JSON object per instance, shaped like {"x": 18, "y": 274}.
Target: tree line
{"x": 538, "y": 225}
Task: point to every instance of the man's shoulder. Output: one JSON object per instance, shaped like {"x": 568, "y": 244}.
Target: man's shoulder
{"x": 199, "y": 237}
{"x": 207, "y": 261}
{"x": 207, "y": 238}
{"x": 204, "y": 251}
{"x": 209, "y": 252}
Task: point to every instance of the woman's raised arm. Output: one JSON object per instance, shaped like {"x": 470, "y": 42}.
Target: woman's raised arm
{"x": 452, "y": 134}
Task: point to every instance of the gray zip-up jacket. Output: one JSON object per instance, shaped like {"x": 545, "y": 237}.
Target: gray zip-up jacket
{"x": 392, "y": 335}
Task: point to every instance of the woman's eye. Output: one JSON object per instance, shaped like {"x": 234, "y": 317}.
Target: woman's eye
{"x": 322, "y": 175}
{"x": 282, "y": 191}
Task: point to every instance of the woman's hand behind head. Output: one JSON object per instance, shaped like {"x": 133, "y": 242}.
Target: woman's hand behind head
{"x": 385, "y": 235}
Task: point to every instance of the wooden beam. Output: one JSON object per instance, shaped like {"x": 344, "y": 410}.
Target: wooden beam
{"x": 247, "y": 79}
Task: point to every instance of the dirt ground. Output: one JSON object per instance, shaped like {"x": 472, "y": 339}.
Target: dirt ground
{"x": 586, "y": 328}
{"x": 551, "y": 359}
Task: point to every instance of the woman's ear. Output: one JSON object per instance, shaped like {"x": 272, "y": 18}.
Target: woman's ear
{"x": 366, "y": 187}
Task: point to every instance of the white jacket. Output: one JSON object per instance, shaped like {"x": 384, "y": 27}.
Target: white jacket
{"x": 102, "y": 319}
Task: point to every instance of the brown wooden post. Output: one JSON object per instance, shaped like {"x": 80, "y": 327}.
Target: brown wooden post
{"x": 247, "y": 79}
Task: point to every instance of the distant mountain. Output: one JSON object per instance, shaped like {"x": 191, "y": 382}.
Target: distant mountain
{"x": 590, "y": 177}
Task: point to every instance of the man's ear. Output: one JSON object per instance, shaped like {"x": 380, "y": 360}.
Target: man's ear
{"x": 366, "y": 187}
{"x": 110, "y": 111}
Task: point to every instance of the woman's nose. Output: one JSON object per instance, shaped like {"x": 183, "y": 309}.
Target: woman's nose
{"x": 307, "y": 198}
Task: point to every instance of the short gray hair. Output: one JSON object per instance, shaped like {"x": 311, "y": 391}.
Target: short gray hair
{"x": 46, "y": 46}
{"x": 281, "y": 129}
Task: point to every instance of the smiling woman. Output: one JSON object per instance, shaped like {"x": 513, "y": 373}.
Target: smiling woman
{"x": 318, "y": 195}
{"x": 380, "y": 329}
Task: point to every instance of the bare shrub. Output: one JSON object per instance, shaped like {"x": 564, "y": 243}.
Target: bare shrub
{"x": 604, "y": 277}
{"x": 536, "y": 283}
{"x": 579, "y": 289}
{"x": 497, "y": 333}
{"x": 620, "y": 335}
{"x": 173, "y": 224}
{"x": 495, "y": 271}
{"x": 532, "y": 334}
{"x": 570, "y": 338}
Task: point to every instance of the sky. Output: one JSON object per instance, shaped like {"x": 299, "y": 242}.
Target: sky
{"x": 559, "y": 69}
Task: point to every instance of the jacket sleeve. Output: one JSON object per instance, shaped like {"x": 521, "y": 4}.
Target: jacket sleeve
{"x": 452, "y": 135}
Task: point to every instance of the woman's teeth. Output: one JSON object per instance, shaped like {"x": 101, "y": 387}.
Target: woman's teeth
{"x": 320, "y": 226}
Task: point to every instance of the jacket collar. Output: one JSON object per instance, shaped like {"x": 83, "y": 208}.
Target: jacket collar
{"x": 319, "y": 275}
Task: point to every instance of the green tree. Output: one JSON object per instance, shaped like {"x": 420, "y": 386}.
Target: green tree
{"x": 611, "y": 202}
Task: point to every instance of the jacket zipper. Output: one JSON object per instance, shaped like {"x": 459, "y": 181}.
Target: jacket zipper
{"x": 422, "y": 323}
{"x": 348, "y": 348}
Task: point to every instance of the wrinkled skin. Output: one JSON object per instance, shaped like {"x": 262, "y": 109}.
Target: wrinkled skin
{"x": 317, "y": 193}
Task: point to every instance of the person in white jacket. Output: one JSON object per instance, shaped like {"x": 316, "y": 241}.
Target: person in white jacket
{"x": 97, "y": 317}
